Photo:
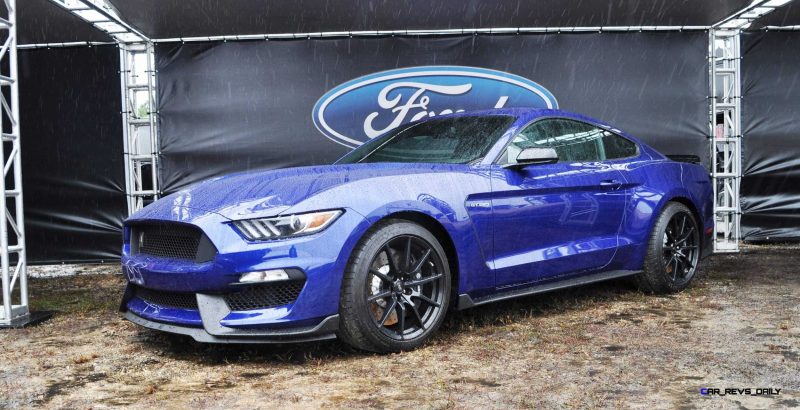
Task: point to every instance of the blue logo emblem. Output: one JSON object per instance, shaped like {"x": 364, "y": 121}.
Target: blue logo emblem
{"x": 369, "y": 106}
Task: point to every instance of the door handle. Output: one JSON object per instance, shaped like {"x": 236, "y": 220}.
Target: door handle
{"x": 612, "y": 183}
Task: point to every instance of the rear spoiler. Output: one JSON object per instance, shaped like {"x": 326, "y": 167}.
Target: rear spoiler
{"x": 692, "y": 159}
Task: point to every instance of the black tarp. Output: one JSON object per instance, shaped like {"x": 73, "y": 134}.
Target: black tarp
{"x": 182, "y": 18}
{"x": 72, "y": 153}
{"x": 770, "y": 188}
{"x": 234, "y": 106}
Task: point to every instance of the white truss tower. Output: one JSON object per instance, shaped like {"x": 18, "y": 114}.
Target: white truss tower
{"x": 140, "y": 125}
{"x": 12, "y": 225}
{"x": 725, "y": 79}
{"x": 726, "y": 140}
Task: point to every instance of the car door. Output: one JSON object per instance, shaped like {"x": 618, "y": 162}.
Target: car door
{"x": 559, "y": 219}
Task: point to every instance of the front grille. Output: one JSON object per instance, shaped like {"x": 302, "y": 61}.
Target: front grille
{"x": 183, "y": 300}
{"x": 265, "y": 296}
{"x": 170, "y": 240}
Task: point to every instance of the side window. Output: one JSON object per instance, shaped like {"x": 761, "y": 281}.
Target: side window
{"x": 573, "y": 141}
{"x": 578, "y": 142}
{"x": 533, "y": 136}
{"x": 618, "y": 147}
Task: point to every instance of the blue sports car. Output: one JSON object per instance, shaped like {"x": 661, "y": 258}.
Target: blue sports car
{"x": 448, "y": 213}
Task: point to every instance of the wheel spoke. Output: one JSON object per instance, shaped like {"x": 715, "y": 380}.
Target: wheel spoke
{"x": 417, "y": 316}
{"x": 686, "y": 261}
{"x": 379, "y": 296}
{"x": 671, "y": 234}
{"x": 402, "y": 318}
{"x": 683, "y": 224}
{"x": 675, "y": 271}
{"x": 423, "y": 280}
{"x": 422, "y": 260}
{"x": 683, "y": 238}
{"x": 669, "y": 261}
{"x": 392, "y": 265}
{"x": 407, "y": 256}
{"x": 427, "y": 300}
{"x": 381, "y": 276}
{"x": 388, "y": 312}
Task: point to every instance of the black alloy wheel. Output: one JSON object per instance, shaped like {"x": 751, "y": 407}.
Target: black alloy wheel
{"x": 396, "y": 289}
{"x": 680, "y": 247}
{"x": 404, "y": 289}
{"x": 673, "y": 251}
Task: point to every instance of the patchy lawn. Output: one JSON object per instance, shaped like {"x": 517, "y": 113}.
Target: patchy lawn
{"x": 606, "y": 345}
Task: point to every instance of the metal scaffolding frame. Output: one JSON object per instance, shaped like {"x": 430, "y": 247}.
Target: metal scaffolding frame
{"x": 725, "y": 120}
{"x": 726, "y": 145}
{"x": 12, "y": 221}
{"x": 138, "y": 81}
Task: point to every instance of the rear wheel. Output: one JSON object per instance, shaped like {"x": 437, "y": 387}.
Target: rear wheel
{"x": 673, "y": 251}
{"x": 396, "y": 288}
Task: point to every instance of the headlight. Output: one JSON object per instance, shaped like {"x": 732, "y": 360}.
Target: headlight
{"x": 286, "y": 226}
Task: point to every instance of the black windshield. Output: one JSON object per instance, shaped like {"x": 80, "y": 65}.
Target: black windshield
{"x": 456, "y": 140}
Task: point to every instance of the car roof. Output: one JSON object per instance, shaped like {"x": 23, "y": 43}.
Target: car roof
{"x": 526, "y": 114}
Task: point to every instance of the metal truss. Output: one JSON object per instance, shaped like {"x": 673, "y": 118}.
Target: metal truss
{"x": 432, "y": 33}
{"x": 12, "y": 224}
{"x": 104, "y": 17}
{"x": 137, "y": 80}
{"x": 725, "y": 123}
{"x": 726, "y": 146}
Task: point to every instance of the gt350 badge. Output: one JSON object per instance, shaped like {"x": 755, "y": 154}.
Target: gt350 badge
{"x": 366, "y": 107}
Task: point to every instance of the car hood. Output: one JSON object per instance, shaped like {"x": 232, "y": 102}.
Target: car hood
{"x": 266, "y": 193}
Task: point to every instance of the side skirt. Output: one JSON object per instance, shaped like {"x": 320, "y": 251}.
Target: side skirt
{"x": 465, "y": 301}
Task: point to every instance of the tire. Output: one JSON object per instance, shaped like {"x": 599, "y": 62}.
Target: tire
{"x": 673, "y": 252}
{"x": 391, "y": 305}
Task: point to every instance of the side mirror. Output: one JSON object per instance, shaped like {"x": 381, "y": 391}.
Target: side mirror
{"x": 535, "y": 156}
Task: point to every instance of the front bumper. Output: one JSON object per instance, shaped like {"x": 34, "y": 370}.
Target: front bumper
{"x": 322, "y": 257}
{"x": 325, "y": 330}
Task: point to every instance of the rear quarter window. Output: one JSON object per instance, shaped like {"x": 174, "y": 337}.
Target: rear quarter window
{"x": 617, "y": 147}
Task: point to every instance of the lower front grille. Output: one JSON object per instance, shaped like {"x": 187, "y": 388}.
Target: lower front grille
{"x": 265, "y": 296}
{"x": 181, "y": 300}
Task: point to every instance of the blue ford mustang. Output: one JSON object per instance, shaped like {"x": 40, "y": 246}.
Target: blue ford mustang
{"x": 447, "y": 213}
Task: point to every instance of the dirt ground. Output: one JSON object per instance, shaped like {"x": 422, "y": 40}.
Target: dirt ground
{"x": 606, "y": 345}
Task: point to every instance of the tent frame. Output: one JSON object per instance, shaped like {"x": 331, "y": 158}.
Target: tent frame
{"x": 141, "y": 127}
{"x": 12, "y": 220}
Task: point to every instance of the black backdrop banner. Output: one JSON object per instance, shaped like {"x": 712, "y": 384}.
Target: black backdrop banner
{"x": 235, "y": 106}
{"x": 770, "y": 188}
{"x": 72, "y": 153}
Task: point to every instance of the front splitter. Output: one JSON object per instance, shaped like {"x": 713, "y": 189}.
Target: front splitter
{"x": 325, "y": 330}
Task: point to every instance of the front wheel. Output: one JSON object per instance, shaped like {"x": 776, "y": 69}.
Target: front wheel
{"x": 395, "y": 290}
{"x": 673, "y": 251}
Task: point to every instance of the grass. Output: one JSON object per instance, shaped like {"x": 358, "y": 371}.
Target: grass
{"x": 78, "y": 294}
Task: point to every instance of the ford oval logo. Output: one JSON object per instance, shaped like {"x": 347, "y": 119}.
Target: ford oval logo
{"x": 366, "y": 107}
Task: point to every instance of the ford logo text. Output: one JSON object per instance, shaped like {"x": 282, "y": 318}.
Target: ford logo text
{"x": 366, "y": 107}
